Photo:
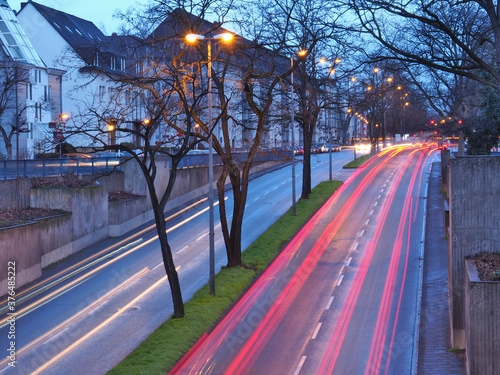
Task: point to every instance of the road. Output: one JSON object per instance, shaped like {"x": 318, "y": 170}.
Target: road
{"x": 343, "y": 296}
{"x": 93, "y": 309}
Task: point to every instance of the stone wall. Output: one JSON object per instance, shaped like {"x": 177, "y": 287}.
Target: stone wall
{"x": 482, "y": 323}
{"x": 474, "y": 203}
{"x": 28, "y": 244}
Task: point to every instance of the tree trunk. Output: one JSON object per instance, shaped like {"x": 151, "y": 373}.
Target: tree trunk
{"x": 168, "y": 262}
{"x": 234, "y": 255}
{"x": 232, "y": 238}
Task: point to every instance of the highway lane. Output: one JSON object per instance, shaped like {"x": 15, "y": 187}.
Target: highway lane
{"x": 342, "y": 297}
{"x": 90, "y": 320}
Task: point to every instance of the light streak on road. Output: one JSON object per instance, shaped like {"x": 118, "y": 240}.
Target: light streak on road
{"x": 93, "y": 259}
{"x": 100, "y": 326}
{"x": 338, "y": 334}
{"x": 200, "y": 361}
{"x": 70, "y": 285}
{"x": 386, "y": 264}
{"x": 77, "y": 317}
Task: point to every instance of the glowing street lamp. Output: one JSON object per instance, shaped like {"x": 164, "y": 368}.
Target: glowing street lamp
{"x": 192, "y": 38}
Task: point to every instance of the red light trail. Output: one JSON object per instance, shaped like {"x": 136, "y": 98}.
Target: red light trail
{"x": 202, "y": 360}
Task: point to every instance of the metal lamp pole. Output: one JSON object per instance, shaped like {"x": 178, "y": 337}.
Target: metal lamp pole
{"x": 330, "y": 143}
{"x": 292, "y": 125}
{"x": 211, "y": 233}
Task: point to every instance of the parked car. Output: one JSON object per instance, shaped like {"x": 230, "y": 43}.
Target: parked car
{"x": 317, "y": 148}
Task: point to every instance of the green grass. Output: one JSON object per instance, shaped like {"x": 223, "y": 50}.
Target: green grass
{"x": 162, "y": 349}
{"x": 358, "y": 162}
{"x": 456, "y": 350}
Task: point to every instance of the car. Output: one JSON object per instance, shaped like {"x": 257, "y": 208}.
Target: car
{"x": 336, "y": 148}
{"x": 317, "y": 147}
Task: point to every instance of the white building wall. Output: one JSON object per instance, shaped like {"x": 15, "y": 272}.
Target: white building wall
{"x": 82, "y": 92}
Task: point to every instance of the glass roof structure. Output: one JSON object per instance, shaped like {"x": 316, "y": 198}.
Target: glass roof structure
{"x": 13, "y": 39}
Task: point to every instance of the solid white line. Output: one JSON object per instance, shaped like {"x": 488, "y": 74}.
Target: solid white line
{"x": 348, "y": 262}
{"x": 299, "y": 367}
{"x": 330, "y": 303}
{"x": 340, "y": 280}
{"x": 362, "y": 233}
{"x": 316, "y": 331}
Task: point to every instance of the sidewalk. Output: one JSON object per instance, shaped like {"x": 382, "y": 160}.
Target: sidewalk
{"x": 434, "y": 343}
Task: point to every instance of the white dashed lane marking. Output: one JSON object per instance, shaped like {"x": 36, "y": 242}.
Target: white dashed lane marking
{"x": 330, "y": 303}
{"x": 316, "y": 331}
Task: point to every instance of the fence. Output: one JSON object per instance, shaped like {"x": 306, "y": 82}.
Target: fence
{"x": 10, "y": 169}
{"x": 55, "y": 167}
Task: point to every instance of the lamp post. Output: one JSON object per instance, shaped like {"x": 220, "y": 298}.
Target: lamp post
{"x": 62, "y": 124}
{"x": 226, "y": 37}
{"x": 292, "y": 126}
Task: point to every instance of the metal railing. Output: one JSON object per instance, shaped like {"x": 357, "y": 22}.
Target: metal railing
{"x": 10, "y": 169}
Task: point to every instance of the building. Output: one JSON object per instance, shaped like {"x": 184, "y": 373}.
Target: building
{"x": 89, "y": 97}
{"x": 30, "y": 92}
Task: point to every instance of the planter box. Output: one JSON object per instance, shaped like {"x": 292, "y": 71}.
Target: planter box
{"x": 482, "y": 323}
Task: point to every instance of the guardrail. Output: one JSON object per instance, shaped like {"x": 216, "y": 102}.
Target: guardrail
{"x": 201, "y": 160}
{"x": 10, "y": 169}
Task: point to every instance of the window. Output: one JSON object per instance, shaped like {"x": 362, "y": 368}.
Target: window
{"x": 102, "y": 93}
{"x": 45, "y": 93}
{"x": 113, "y": 63}
{"x": 122, "y": 64}
{"x": 14, "y": 39}
{"x": 97, "y": 60}
{"x": 29, "y": 91}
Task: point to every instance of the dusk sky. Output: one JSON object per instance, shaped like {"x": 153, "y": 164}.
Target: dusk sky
{"x": 100, "y": 12}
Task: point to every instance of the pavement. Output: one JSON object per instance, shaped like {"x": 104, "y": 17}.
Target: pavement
{"x": 434, "y": 355}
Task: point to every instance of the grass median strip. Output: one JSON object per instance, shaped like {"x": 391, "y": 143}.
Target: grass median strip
{"x": 358, "y": 162}
{"x": 164, "y": 347}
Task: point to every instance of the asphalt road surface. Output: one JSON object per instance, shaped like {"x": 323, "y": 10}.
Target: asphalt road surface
{"x": 343, "y": 296}
{"x": 94, "y": 308}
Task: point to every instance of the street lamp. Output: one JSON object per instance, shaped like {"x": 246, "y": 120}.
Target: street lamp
{"x": 331, "y": 70}
{"x": 192, "y": 38}
{"x": 301, "y": 53}
{"x": 63, "y": 118}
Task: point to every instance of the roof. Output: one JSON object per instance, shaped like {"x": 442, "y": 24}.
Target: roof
{"x": 13, "y": 40}
{"x": 75, "y": 30}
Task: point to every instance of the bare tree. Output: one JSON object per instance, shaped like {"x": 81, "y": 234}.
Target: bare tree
{"x": 163, "y": 84}
{"x": 14, "y": 78}
{"x": 449, "y": 37}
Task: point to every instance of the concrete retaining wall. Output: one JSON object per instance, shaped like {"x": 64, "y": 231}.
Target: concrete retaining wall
{"x": 482, "y": 323}
{"x": 474, "y": 202}
{"x": 92, "y": 217}
{"x": 28, "y": 244}
{"x": 89, "y": 216}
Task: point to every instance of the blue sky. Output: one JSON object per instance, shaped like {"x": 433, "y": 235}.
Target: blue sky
{"x": 100, "y": 12}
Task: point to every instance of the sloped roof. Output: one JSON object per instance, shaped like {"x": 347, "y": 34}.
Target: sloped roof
{"x": 76, "y": 31}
